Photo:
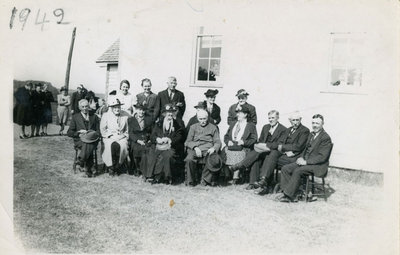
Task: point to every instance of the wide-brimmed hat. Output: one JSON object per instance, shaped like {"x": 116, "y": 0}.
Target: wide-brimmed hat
{"x": 140, "y": 106}
{"x": 211, "y": 93}
{"x": 201, "y": 105}
{"x": 260, "y": 147}
{"x": 90, "y": 137}
{"x": 213, "y": 162}
{"x": 163, "y": 147}
{"x": 80, "y": 86}
{"x": 114, "y": 102}
{"x": 242, "y": 92}
{"x": 243, "y": 108}
{"x": 169, "y": 108}
{"x": 63, "y": 89}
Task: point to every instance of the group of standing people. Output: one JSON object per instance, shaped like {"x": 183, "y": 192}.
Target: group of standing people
{"x": 151, "y": 134}
{"x": 33, "y": 108}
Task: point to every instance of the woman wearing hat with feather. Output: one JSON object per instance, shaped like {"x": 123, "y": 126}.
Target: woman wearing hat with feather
{"x": 240, "y": 139}
{"x": 242, "y": 100}
{"x": 114, "y": 130}
{"x": 167, "y": 138}
{"x": 211, "y": 107}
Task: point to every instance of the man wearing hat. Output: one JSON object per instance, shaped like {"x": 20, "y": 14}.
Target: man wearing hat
{"x": 139, "y": 128}
{"x": 84, "y": 129}
{"x": 76, "y": 97}
{"x": 203, "y": 140}
{"x": 114, "y": 130}
{"x": 202, "y": 105}
{"x": 242, "y": 100}
{"x": 170, "y": 96}
{"x": 212, "y": 108}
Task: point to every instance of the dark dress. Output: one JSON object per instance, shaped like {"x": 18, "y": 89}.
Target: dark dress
{"x": 47, "y": 113}
{"x": 37, "y": 107}
{"x": 160, "y": 163}
{"x": 22, "y": 112}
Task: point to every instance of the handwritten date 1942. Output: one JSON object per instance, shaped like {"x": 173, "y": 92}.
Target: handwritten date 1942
{"x": 40, "y": 18}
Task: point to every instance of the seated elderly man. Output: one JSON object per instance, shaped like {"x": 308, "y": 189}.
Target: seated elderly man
{"x": 84, "y": 128}
{"x": 114, "y": 130}
{"x": 202, "y": 140}
{"x": 313, "y": 160}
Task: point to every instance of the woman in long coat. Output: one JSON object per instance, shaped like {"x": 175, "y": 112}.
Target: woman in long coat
{"x": 167, "y": 138}
{"x": 37, "y": 109}
{"x": 47, "y": 113}
{"x": 22, "y": 112}
{"x": 140, "y": 127}
{"x": 240, "y": 139}
{"x": 114, "y": 130}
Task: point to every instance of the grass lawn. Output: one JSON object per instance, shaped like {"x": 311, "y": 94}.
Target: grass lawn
{"x": 57, "y": 211}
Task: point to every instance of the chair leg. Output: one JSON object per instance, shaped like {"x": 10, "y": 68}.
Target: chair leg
{"x": 312, "y": 184}
{"x": 74, "y": 164}
{"x": 95, "y": 161}
{"x": 307, "y": 188}
{"x": 323, "y": 188}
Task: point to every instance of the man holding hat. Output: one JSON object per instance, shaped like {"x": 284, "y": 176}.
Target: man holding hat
{"x": 79, "y": 94}
{"x": 203, "y": 140}
{"x": 84, "y": 129}
{"x": 242, "y": 100}
{"x": 114, "y": 130}
{"x": 211, "y": 107}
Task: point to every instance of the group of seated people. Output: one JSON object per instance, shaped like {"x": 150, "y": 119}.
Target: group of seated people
{"x": 160, "y": 148}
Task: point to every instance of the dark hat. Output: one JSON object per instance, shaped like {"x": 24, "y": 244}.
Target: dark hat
{"x": 90, "y": 137}
{"x": 211, "y": 93}
{"x": 113, "y": 92}
{"x": 63, "y": 89}
{"x": 242, "y": 92}
{"x": 38, "y": 84}
{"x": 243, "y": 108}
{"x": 140, "y": 106}
{"x": 169, "y": 108}
{"x": 201, "y": 105}
{"x": 213, "y": 162}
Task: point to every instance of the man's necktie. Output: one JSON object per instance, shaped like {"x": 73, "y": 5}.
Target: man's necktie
{"x": 171, "y": 95}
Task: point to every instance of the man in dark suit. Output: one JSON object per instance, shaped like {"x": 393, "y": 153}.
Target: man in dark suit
{"x": 289, "y": 147}
{"x": 83, "y": 124}
{"x": 314, "y": 160}
{"x": 76, "y": 97}
{"x": 269, "y": 137}
{"x": 170, "y": 96}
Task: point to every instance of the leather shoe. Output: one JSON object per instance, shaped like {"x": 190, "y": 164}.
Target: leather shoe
{"x": 287, "y": 199}
{"x": 262, "y": 192}
{"x": 251, "y": 186}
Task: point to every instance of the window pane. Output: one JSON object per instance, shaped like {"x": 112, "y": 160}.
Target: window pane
{"x": 216, "y": 52}
{"x": 214, "y": 69}
{"x": 338, "y": 77}
{"x": 202, "y": 74}
{"x": 339, "y": 52}
{"x": 205, "y": 44}
{"x": 354, "y": 77}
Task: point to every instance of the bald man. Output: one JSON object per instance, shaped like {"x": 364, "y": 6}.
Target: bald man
{"x": 203, "y": 139}
{"x": 290, "y": 147}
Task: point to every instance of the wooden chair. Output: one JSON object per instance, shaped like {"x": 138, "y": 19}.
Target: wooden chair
{"x": 314, "y": 185}
{"x": 94, "y": 159}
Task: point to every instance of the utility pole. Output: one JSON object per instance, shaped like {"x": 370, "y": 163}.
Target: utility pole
{"x": 71, "y": 48}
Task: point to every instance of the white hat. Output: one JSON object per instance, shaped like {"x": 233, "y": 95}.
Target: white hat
{"x": 113, "y": 101}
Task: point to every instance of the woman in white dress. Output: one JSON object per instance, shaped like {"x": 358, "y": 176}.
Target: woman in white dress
{"x": 63, "y": 101}
{"x": 114, "y": 130}
{"x": 125, "y": 97}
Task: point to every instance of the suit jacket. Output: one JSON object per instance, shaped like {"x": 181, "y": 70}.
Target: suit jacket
{"x": 318, "y": 151}
{"x": 252, "y": 117}
{"x": 275, "y": 138}
{"x": 75, "y": 101}
{"x": 295, "y": 142}
{"x": 163, "y": 99}
{"x": 215, "y": 114}
{"x": 249, "y": 135}
{"x": 77, "y": 123}
{"x": 135, "y": 133}
{"x": 149, "y": 101}
{"x": 176, "y": 136}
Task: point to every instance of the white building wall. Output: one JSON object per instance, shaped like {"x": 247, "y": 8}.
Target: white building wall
{"x": 280, "y": 53}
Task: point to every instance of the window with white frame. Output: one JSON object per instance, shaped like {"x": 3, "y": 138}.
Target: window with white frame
{"x": 207, "y": 66}
{"x": 346, "y": 69}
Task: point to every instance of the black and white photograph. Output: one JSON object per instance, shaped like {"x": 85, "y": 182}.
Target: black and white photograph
{"x": 200, "y": 126}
